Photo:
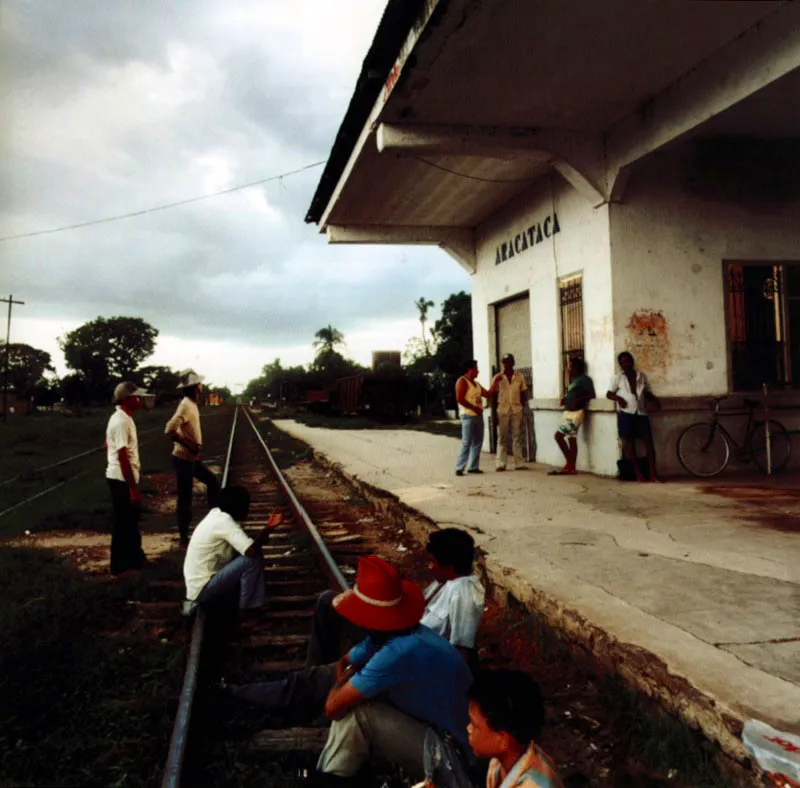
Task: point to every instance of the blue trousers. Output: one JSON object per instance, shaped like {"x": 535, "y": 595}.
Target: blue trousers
{"x": 471, "y": 443}
{"x": 243, "y": 575}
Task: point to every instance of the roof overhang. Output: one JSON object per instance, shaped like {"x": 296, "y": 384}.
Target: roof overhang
{"x": 485, "y": 98}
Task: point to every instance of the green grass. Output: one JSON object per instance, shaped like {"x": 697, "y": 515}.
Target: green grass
{"x": 28, "y": 442}
{"x": 88, "y": 690}
{"x": 81, "y": 502}
{"x": 65, "y": 676}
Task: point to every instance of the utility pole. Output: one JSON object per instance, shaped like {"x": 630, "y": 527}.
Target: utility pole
{"x": 10, "y": 301}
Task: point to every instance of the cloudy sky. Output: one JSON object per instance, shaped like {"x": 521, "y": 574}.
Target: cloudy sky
{"x": 113, "y": 107}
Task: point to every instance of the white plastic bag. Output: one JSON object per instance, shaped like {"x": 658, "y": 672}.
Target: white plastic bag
{"x": 774, "y": 750}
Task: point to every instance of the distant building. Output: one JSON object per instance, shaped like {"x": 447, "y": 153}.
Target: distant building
{"x": 16, "y": 404}
{"x": 382, "y": 356}
{"x": 614, "y": 176}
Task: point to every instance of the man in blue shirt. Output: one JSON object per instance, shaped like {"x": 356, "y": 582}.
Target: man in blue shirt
{"x": 395, "y": 685}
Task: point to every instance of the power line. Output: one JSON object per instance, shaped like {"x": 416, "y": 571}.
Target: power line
{"x": 472, "y": 177}
{"x": 161, "y": 207}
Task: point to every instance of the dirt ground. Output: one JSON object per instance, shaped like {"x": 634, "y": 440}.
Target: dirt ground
{"x": 594, "y": 742}
{"x": 596, "y": 733}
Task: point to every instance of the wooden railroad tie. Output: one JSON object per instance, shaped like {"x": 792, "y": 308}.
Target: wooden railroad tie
{"x": 290, "y": 740}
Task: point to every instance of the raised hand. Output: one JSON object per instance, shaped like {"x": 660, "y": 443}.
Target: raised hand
{"x": 275, "y": 518}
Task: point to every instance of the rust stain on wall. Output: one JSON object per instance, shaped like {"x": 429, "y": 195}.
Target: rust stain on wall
{"x": 648, "y": 339}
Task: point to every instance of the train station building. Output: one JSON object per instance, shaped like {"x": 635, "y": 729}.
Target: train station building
{"x": 614, "y": 176}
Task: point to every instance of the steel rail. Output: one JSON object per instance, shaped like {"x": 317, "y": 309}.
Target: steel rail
{"x": 180, "y": 732}
{"x": 180, "y": 735}
{"x": 52, "y": 465}
{"x": 301, "y": 513}
{"x": 55, "y": 486}
{"x": 65, "y": 460}
{"x": 43, "y": 492}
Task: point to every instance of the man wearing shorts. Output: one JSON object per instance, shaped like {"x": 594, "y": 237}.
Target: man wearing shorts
{"x": 631, "y": 391}
{"x": 580, "y": 391}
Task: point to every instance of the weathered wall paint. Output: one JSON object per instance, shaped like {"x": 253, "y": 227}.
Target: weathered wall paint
{"x": 669, "y": 238}
{"x": 653, "y": 284}
{"x": 648, "y": 339}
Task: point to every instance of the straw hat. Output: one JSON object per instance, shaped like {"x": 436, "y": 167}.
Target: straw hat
{"x": 128, "y": 389}
{"x": 189, "y": 378}
{"x": 380, "y": 600}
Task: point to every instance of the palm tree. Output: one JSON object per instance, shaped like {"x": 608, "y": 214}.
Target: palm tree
{"x": 424, "y": 305}
{"x": 326, "y": 339}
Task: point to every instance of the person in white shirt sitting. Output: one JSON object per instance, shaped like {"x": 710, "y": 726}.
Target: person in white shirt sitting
{"x": 212, "y": 569}
{"x": 454, "y": 607}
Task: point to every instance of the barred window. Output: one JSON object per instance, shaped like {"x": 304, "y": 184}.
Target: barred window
{"x": 763, "y": 322}
{"x": 571, "y": 300}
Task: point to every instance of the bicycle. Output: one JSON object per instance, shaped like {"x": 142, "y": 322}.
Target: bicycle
{"x": 705, "y": 448}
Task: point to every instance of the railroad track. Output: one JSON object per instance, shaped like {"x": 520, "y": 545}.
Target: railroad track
{"x": 301, "y": 559}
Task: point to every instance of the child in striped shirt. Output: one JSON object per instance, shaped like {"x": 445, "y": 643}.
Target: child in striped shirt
{"x": 506, "y": 713}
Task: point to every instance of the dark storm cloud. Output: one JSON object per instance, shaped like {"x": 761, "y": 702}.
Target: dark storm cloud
{"x": 117, "y": 107}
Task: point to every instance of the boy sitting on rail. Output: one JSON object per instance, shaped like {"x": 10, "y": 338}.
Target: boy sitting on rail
{"x": 210, "y": 569}
{"x": 453, "y": 609}
{"x": 403, "y": 681}
{"x": 506, "y": 714}
{"x": 454, "y": 602}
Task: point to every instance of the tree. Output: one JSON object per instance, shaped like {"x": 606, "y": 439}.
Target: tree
{"x": 327, "y": 339}
{"x": 423, "y": 305}
{"x": 26, "y": 367}
{"x": 74, "y": 389}
{"x": 276, "y": 383}
{"x": 107, "y": 349}
{"x": 453, "y": 334}
{"x": 222, "y": 391}
{"x": 333, "y": 365}
{"x": 158, "y": 378}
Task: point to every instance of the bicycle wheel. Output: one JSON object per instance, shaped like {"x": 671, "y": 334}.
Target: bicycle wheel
{"x": 781, "y": 445}
{"x": 703, "y": 449}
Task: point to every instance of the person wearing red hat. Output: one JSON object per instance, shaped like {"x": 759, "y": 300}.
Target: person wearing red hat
{"x": 453, "y": 609}
{"x": 401, "y": 681}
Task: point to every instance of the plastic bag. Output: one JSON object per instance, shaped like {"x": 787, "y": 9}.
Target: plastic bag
{"x": 775, "y": 751}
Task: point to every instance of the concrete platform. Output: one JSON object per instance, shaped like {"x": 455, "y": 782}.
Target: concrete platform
{"x": 690, "y": 593}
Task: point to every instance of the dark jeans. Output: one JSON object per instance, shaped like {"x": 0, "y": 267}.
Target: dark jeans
{"x": 330, "y": 632}
{"x": 243, "y": 576}
{"x": 301, "y": 695}
{"x": 185, "y": 472}
{"x": 126, "y": 541}
{"x": 633, "y": 425}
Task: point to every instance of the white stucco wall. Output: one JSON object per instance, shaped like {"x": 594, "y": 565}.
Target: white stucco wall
{"x": 652, "y": 271}
{"x": 668, "y": 251}
{"x": 668, "y": 248}
{"x": 580, "y": 246}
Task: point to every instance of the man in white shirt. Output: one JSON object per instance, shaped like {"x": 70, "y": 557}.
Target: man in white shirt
{"x": 454, "y": 607}
{"x": 510, "y": 387}
{"x": 122, "y": 473}
{"x": 184, "y": 429}
{"x": 212, "y": 567}
{"x": 631, "y": 391}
